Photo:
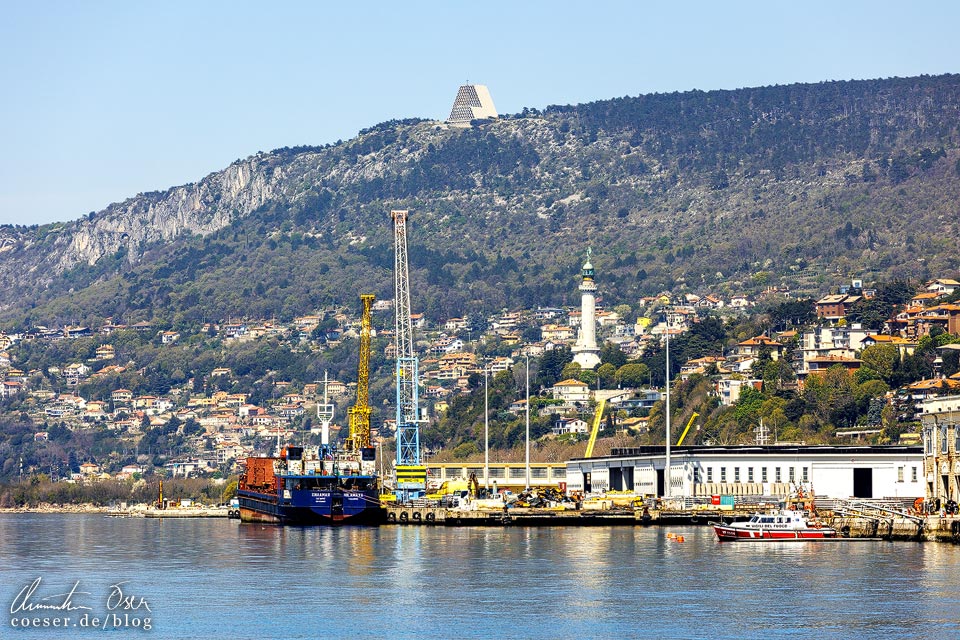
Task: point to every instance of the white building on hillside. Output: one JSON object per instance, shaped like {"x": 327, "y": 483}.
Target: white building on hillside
{"x": 473, "y": 102}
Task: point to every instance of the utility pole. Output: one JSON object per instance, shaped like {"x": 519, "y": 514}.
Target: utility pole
{"x": 666, "y": 468}
{"x": 528, "y": 421}
{"x": 486, "y": 428}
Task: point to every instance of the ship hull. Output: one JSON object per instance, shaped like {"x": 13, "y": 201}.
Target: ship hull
{"x": 307, "y": 508}
{"x": 735, "y": 533}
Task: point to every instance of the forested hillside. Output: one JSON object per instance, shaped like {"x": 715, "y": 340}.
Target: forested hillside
{"x": 722, "y": 191}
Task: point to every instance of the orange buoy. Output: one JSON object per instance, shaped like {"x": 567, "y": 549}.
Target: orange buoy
{"x": 679, "y": 538}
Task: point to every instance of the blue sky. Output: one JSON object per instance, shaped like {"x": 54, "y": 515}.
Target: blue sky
{"x": 102, "y": 100}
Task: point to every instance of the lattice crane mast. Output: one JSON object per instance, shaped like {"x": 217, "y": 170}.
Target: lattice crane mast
{"x": 359, "y": 413}
{"x": 411, "y": 475}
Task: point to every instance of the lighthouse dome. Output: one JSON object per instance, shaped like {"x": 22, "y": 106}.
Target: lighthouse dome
{"x": 587, "y": 269}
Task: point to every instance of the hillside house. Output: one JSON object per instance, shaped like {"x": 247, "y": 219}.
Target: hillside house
{"x": 455, "y": 324}
{"x": 904, "y": 346}
{"x": 819, "y": 366}
{"x": 75, "y": 372}
{"x": 836, "y": 306}
{"x": 501, "y": 363}
{"x": 729, "y": 389}
{"x": 942, "y": 287}
{"x": 757, "y": 345}
{"x": 923, "y": 299}
{"x": 105, "y": 352}
{"x": 89, "y": 469}
{"x": 556, "y": 333}
{"x": 8, "y": 388}
{"x": 569, "y": 425}
{"x": 571, "y": 392}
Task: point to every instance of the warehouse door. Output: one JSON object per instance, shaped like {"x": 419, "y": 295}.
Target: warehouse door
{"x": 863, "y": 483}
{"x": 660, "y": 484}
{"x": 616, "y": 479}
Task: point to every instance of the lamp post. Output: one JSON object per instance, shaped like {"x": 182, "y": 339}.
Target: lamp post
{"x": 666, "y": 469}
{"x": 486, "y": 429}
{"x": 528, "y": 421}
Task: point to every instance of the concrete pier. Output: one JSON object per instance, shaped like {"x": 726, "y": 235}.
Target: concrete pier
{"x": 932, "y": 528}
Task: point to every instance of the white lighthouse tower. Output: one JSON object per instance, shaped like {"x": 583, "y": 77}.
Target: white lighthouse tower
{"x": 586, "y": 352}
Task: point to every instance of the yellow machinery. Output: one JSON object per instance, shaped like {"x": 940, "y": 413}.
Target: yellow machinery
{"x": 359, "y": 413}
{"x": 689, "y": 422}
{"x": 597, "y": 419}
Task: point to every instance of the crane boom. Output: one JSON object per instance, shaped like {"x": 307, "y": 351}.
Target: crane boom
{"x": 359, "y": 413}
{"x": 597, "y": 419}
{"x": 411, "y": 476}
{"x": 689, "y": 422}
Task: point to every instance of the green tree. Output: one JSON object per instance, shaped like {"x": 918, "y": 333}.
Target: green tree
{"x": 632, "y": 375}
{"x": 882, "y": 359}
{"x": 571, "y": 371}
{"x": 612, "y": 354}
{"x": 607, "y": 373}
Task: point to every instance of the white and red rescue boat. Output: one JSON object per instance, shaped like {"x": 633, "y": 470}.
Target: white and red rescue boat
{"x": 782, "y": 524}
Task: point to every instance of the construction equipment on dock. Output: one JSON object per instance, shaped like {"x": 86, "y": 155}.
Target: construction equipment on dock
{"x": 411, "y": 475}
{"x": 359, "y": 413}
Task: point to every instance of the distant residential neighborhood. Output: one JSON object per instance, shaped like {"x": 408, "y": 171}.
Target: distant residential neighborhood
{"x": 207, "y": 422}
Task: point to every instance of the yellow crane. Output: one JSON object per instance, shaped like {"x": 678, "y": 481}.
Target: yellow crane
{"x": 597, "y": 419}
{"x": 359, "y": 413}
{"x": 689, "y": 422}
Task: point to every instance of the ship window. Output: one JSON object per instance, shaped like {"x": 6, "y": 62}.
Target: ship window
{"x": 749, "y": 474}
{"x": 777, "y": 476}
{"x": 806, "y": 474}
{"x": 899, "y": 474}
{"x": 723, "y": 474}
{"x": 736, "y": 474}
{"x": 913, "y": 474}
{"x": 763, "y": 474}
{"x": 709, "y": 474}
{"x": 696, "y": 475}
{"x": 792, "y": 474}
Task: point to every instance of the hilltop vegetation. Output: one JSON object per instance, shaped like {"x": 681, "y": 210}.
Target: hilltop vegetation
{"x": 724, "y": 190}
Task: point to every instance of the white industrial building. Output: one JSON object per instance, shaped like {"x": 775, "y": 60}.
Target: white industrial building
{"x": 837, "y": 472}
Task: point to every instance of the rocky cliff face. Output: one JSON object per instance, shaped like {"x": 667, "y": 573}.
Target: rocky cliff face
{"x": 35, "y": 257}
{"x": 199, "y": 208}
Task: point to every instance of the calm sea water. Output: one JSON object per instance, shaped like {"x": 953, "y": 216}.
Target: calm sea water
{"x": 214, "y": 578}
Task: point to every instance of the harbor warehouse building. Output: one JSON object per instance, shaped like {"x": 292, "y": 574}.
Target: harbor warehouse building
{"x": 838, "y": 472}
